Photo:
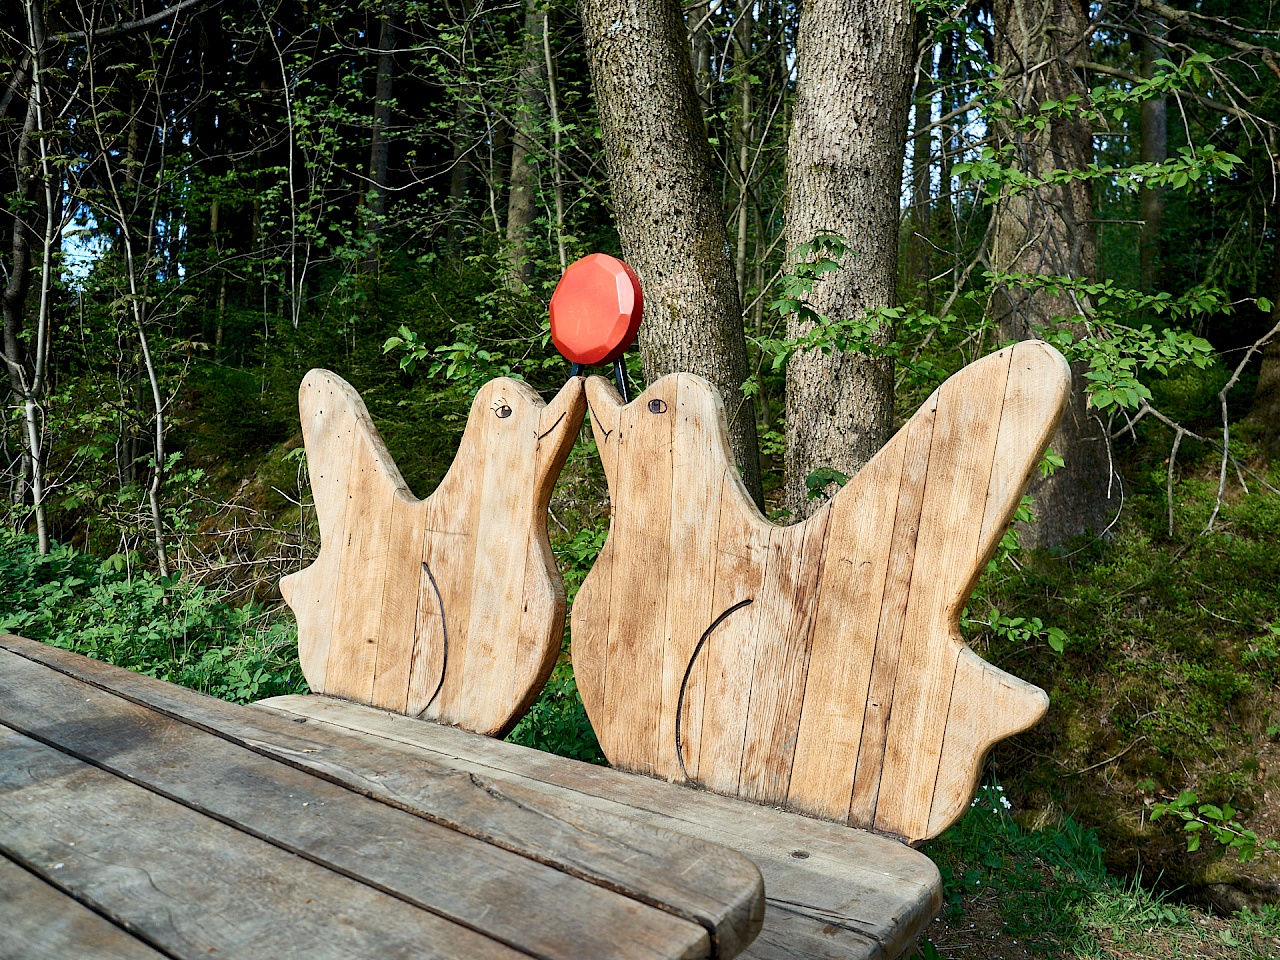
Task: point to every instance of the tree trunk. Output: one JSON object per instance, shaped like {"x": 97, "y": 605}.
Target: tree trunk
{"x": 742, "y": 131}
{"x": 557, "y": 168}
{"x": 26, "y": 366}
{"x": 1155, "y": 149}
{"x": 1049, "y": 230}
{"x": 379, "y": 149}
{"x": 667, "y": 205}
{"x": 918, "y": 266}
{"x": 844, "y": 170}
{"x": 699, "y": 25}
{"x": 530, "y": 104}
{"x": 944, "y": 208}
{"x": 462, "y": 145}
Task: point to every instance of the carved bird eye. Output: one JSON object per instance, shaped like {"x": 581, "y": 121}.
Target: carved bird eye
{"x": 657, "y": 406}
{"x": 503, "y": 412}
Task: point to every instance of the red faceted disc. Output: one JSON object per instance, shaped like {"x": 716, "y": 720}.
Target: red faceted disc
{"x": 596, "y": 310}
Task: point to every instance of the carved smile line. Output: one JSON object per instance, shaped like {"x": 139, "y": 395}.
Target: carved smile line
{"x": 684, "y": 684}
{"x": 595, "y": 419}
{"x": 553, "y": 426}
{"x": 444, "y": 634}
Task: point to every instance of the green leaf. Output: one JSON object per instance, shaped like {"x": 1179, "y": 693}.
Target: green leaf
{"x": 817, "y": 481}
{"x": 1057, "y": 639}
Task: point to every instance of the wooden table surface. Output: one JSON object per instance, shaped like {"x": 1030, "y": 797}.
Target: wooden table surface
{"x": 142, "y": 820}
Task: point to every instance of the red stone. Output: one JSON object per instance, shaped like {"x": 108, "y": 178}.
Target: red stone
{"x": 596, "y": 310}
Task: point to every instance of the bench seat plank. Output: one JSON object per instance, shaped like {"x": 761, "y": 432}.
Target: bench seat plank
{"x": 193, "y": 883}
{"x": 43, "y": 923}
{"x": 832, "y": 891}
{"x": 716, "y": 889}
{"x": 461, "y": 878}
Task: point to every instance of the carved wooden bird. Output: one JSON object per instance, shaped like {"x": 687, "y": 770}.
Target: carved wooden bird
{"x": 450, "y": 608}
{"x": 810, "y": 666}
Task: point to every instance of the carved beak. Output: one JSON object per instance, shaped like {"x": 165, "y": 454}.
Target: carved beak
{"x": 558, "y": 427}
{"x": 606, "y": 406}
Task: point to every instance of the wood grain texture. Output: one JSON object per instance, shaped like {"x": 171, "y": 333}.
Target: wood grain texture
{"x": 832, "y": 892}
{"x": 828, "y": 674}
{"x": 463, "y": 878}
{"x": 450, "y": 608}
{"x": 718, "y": 892}
{"x": 40, "y": 922}
{"x": 198, "y": 888}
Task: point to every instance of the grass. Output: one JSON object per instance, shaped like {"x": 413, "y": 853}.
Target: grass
{"x": 1016, "y": 893}
{"x": 163, "y": 627}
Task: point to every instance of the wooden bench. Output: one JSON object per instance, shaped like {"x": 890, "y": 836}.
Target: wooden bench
{"x": 800, "y": 694}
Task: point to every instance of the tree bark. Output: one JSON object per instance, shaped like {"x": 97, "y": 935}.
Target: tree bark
{"x": 742, "y": 131}
{"x": 844, "y": 170}
{"x": 918, "y": 264}
{"x": 667, "y": 205}
{"x": 699, "y": 24}
{"x": 1155, "y": 149}
{"x": 27, "y": 367}
{"x": 530, "y": 106}
{"x": 1049, "y": 230}
{"x": 557, "y": 168}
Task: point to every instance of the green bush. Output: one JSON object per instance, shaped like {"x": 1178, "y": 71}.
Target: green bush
{"x": 162, "y": 627}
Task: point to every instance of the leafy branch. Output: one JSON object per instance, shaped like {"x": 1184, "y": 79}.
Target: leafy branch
{"x": 1218, "y": 822}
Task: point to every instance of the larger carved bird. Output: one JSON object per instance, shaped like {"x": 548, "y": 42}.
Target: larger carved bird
{"x": 449, "y": 608}
{"x": 817, "y": 666}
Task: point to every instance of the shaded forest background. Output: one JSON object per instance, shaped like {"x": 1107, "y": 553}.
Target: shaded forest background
{"x": 205, "y": 200}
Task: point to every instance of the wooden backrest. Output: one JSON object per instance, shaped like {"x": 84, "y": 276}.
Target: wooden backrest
{"x": 449, "y": 608}
{"x": 819, "y": 666}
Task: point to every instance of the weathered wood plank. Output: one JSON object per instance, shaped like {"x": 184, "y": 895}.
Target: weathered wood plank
{"x": 198, "y": 887}
{"x": 966, "y": 424}
{"x": 732, "y": 639}
{"x": 459, "y": 877}
{"x": 689, "y": 599}
{"x": 358, "y": 621}
{"x": 40, "y": 922}
{"x": 633, "y": 683}
{"x": 715, "y": 888}
{"x": 314, "y": 602}
{"x": 856, "y": 894}
{"x": 844, "y": 632}
{"x": 401, "y": 595}
{"x": 940, "y": 494}
{"x": 786, "y": 605}
{"x": 886, "y": 650}
{"x": 457, "y": 567}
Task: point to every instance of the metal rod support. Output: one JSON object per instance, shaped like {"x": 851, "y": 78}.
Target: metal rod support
{"x": 620, "y": 377}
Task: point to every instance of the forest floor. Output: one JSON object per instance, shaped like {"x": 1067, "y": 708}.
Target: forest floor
{"x": 1016, "y": 894}
{"x": 980, "y": 933}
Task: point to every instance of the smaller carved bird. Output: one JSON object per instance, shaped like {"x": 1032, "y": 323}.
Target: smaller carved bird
{"x": 817, "y": 666}
{"x": 449, "y": 608}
